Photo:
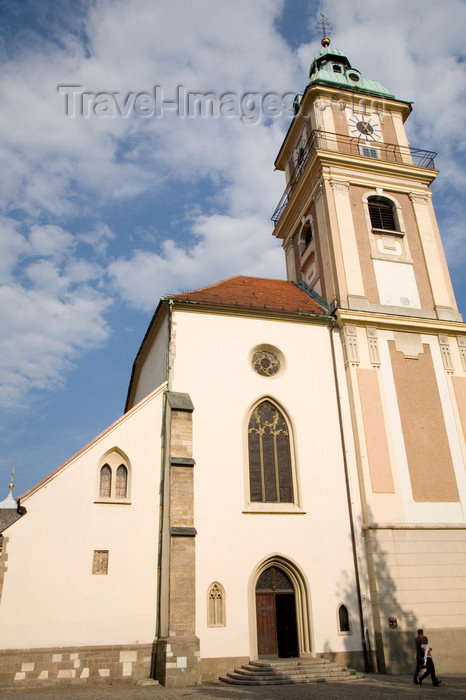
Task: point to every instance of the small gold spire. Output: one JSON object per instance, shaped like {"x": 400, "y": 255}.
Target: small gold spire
{"x": 12, "y": 482}
{"x": 325, "y": 27}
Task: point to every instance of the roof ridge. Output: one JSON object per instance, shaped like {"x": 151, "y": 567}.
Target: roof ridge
{"x": 227, "y": 279}
{"x": 200, "y": 289}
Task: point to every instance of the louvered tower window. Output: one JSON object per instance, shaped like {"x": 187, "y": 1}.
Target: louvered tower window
{"x": 382, "y": 214}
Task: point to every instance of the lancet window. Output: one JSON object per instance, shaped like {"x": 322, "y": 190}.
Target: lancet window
{"x": 113, "y": 478}
{"x": 270, "y": 468}
{"x": 216, "y": 606}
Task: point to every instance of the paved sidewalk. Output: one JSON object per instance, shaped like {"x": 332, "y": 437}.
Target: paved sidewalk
{"x": 373, "y": 687}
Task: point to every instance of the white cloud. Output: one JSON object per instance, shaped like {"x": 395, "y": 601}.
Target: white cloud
{"x": 60, "y": 248}
{"x": 49, "y": 311}
{"x": 44, "y": 336}
{"x": 50, "y": 241}
{"x": 12, "y": 245}
{"x": 221, "y": 244}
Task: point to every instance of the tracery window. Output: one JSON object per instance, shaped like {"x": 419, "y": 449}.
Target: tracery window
{"x": 274, "y": 579}
{"x": 216, "y": 606}
{"x": 265, "y": 363}
{"x": 270, "y": 469}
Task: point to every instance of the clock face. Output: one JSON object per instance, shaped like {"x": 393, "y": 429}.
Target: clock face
{"x": 365, "y": 127}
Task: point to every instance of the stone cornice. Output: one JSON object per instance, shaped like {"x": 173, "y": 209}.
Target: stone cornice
{"x": 392, "y": 321}
{"x": 413, "y": 526}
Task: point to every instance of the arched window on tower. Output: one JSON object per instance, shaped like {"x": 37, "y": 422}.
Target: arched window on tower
{"x": 270, "y": 468}
{"x": 306, "y": 236}
{"x": 383, "y": 214}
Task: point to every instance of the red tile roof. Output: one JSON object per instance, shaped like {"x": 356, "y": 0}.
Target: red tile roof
{"x": 254, "y": 293}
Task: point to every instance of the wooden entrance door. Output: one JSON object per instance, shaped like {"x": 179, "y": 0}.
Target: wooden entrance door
{"x": 276, "y": 615}
{"x": 266, "y": 624}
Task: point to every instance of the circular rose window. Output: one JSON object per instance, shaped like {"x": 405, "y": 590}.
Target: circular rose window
{"x": 265, "y": 363}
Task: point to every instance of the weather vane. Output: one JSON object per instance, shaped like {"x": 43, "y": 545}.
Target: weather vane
{"x": 326, "y": 28}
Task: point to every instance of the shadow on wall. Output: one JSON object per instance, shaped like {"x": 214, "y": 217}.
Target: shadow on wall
{"x": 390, "y": 642}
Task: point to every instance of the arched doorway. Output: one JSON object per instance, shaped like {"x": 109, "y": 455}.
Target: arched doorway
{"x": 277, "y": 633}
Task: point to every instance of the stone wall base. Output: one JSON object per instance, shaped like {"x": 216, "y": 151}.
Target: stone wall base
{"x": 352, "y": 659}
{"x": 177, "y": 662}
{"x": 211, "y": 669}
{"x": 74, "y": 665}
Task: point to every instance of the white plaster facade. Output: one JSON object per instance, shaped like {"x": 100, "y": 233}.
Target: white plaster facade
{"x": 50, "y": 597}
{"x": 373, "y": 393}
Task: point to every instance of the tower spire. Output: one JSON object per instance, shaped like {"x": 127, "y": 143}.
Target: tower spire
{"x": 9, "y": 501}
{"x": 326, "y": 28}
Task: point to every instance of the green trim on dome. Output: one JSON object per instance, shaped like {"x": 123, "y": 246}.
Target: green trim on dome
{"x": 322, "y": 72}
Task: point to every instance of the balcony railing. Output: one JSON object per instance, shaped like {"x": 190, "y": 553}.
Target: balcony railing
{"x": 347, "y": 145}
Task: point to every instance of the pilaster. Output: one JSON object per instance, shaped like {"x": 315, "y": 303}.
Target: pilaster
{"x": 177, "y": 656}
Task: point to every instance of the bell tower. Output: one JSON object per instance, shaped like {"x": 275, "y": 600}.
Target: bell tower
{"x": 356, "y": 218}
{"x": 358, "y": 227}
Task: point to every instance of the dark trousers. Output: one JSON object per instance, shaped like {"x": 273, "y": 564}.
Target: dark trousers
{"x": 430, "y": 671}
{"x": 419, "y": 667}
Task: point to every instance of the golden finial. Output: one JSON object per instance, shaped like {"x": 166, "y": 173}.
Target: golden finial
{"x": 12, "y": 482}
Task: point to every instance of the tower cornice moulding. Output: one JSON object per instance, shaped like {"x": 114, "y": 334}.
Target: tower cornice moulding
{"x": 414, "y": 324}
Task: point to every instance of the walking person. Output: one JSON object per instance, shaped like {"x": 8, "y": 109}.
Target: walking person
{"x": 428, "y": 663}
{"x": 419, "y": 656}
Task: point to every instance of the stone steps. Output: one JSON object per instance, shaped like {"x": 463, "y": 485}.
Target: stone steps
{"x": 290, "y": 671}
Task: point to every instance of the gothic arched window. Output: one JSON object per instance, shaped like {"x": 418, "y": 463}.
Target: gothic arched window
{"x": 216, "y": 606}
{"x": 114, "y": 478}
{"x": 105, "y": 481}
{"x": 382, "y": 213}
{"x": 121, "y": 481}
{"x": 343, "y": 620}
{"x": 270, "y": 469}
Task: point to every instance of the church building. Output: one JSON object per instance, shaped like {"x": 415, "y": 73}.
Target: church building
{"x": 288, "y": 477}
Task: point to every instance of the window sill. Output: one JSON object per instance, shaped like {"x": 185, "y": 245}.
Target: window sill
{"x": 118, "y": 501}
{"x": 267, "y": 508}
{"x": 388, "y": 232}
{"x": 392, "y": 258}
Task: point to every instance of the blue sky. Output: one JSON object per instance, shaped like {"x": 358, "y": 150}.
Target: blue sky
{"x": 101, "y": 215}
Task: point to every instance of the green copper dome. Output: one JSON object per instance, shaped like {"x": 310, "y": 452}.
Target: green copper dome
{"x": 331, "y": 67}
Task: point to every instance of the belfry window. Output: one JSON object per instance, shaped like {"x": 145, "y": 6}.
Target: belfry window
{"x": 306, "y": 236}
{"x": 382, "y": 214}
{"x": 270, "y": 470}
